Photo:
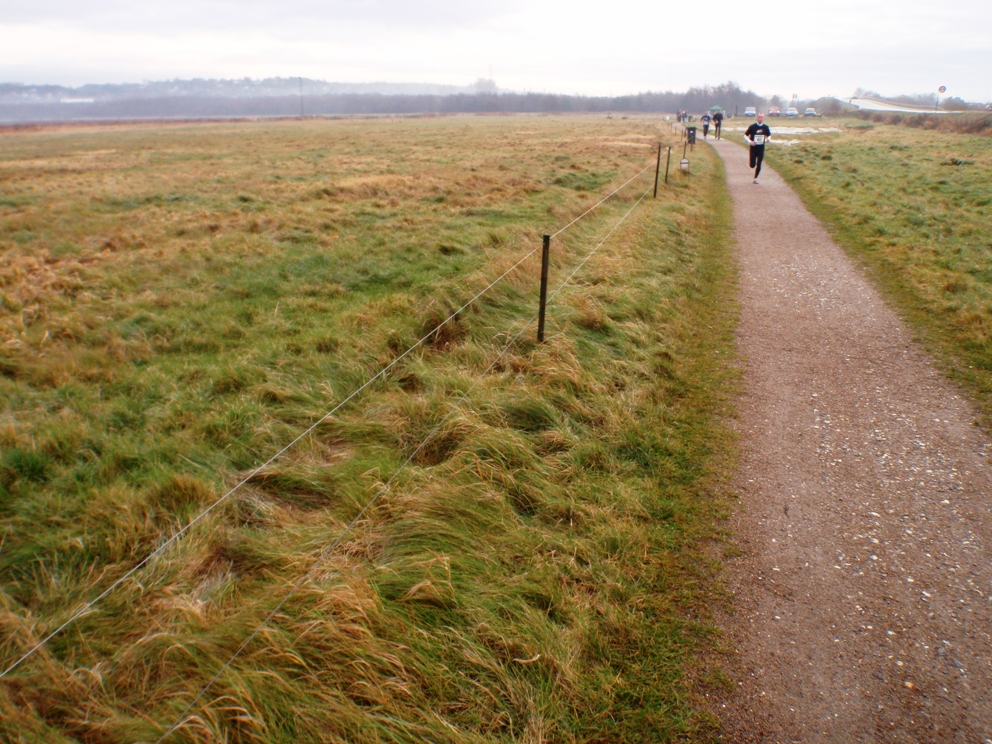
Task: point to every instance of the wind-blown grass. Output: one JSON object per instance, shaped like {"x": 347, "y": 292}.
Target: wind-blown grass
{"x": 179, "y": 302}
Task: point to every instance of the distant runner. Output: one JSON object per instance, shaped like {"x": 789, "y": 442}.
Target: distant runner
{"x": 756, "y": 136}
{"x": 717, "y": 121}
{"x": 705, "y": 121}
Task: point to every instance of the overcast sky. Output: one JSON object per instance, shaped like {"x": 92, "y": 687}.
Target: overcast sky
{"x": 598, "y": 48}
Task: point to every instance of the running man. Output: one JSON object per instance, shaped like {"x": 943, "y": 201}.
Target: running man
{"x": 756, "y": 136}
{"x": 705, "y": 121}
{"x": 717, "y": 121}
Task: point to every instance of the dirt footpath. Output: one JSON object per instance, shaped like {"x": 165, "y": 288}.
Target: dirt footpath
{"x": 864, "y": 592}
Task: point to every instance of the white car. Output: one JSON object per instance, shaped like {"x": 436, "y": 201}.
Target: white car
{"x": 810, "y": 112}
{"x": 750, "y": 111}
{"x": 792, "y": 111}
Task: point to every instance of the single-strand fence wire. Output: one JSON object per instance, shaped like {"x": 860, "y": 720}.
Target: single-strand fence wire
{"x": 597, "y": 204}
{"x": 256, "y": 471}
{"x": 176, "y": 535}
{"x": 368, "y": 505}
{"x": 590, "y": 255}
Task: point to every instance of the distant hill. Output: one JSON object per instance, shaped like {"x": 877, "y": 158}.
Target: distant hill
{"x": 16, "y": 93}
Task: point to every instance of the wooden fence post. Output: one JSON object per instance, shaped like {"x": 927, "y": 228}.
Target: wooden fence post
{"x": 545, "y": 256}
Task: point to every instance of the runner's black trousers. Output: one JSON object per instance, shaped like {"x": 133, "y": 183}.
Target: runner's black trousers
{"x": 757, "y": 155}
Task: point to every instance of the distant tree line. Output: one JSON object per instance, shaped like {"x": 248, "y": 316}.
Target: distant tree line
{"x": 484, "y": 99}
{"x": 239, "y": 98}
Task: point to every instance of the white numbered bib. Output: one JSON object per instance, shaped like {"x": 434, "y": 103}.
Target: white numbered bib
{"x": 759, "y": 139}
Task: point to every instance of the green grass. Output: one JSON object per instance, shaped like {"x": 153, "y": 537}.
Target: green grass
{"x": 913, "y": 206}
{"x": 541, "y": 571}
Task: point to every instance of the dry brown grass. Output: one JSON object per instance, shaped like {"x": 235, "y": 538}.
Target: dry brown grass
{"x": 180, "y": 301}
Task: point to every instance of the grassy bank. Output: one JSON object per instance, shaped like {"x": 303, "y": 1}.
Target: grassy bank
{"x": 180, "y": 302}
{"x": 970, "y": 122}
{"x": 914, "y": 206}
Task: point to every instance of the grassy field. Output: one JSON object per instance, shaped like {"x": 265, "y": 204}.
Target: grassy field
{"x": 913, "y": 206}
{"x": 179, "y": 302}
{"x": 971, "y": 122}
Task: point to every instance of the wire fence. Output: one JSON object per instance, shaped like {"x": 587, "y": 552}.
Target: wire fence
{"x": 175, "y": 537}
{"x": 385, "y": 487}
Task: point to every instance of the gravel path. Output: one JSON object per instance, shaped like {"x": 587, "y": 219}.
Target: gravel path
{"x": 864, "y": 588}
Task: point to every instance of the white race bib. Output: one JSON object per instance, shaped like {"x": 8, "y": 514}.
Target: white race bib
{"x": 759, "y": 139}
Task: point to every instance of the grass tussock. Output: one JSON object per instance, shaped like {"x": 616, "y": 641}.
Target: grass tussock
{"x": 180, "y": 302}
{"x": 915, "y": 207}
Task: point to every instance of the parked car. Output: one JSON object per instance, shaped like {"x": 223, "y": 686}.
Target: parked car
{"x": 750, "y": 111}
{"x": 774, "y": 111}
{"x": 810, "y": 112}
{"x": 792, "y": 111}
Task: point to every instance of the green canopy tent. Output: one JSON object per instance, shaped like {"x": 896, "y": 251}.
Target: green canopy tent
{"x": 717, "y": 108}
